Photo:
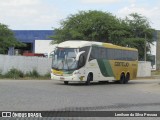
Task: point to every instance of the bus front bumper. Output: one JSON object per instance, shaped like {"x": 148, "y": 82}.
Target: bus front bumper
{"x": 68, "y": 78}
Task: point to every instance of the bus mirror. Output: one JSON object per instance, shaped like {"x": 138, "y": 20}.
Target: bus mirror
{"x": 79, "y": 54}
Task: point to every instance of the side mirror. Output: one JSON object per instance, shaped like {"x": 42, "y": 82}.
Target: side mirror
{"x": 79, "y": 54}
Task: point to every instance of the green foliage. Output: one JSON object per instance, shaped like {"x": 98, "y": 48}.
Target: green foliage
{"x": 89, "y": 25}
{"x": 7, "y": 39}
{"x": 140, "y": 33}
{"x": 133, "y": 31}
{"x": 14, "y": 73}
{"x": 17, "y": 74}
{"x": 47, "y": 75}
{"x": 1, "y": 76}
{"x": 33, "y": 74}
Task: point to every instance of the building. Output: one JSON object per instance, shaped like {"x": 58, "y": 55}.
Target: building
{"x": 38, "y": 41}
{"x": 29, "y": 37}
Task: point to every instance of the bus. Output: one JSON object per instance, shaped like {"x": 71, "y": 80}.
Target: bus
{"x": 89, "y": 61}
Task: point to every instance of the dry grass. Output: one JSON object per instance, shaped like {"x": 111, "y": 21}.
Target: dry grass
{"x": 155, "y": 72}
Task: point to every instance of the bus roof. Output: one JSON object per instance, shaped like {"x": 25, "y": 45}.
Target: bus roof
{"x": 82, "y": 43}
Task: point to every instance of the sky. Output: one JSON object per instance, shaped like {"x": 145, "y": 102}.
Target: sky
{"x": 47, "y": 14}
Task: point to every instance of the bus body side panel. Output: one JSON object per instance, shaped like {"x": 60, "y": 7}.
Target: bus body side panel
{"x": 100, "y": 69}
{"x": 124, "y": 66}
{"x": 103, "y": 69}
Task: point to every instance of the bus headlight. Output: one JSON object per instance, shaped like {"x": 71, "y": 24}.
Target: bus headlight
{"x": 76, "y": 72}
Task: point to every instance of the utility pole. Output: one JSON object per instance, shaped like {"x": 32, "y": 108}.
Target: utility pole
{"x": 145, "y": 42}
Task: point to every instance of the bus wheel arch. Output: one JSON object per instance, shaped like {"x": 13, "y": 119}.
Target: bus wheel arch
{"x": 89, "y": 78}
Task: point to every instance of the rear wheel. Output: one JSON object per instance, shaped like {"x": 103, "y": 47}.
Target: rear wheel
{"x": 66, "y": 82}
{"x": 89, "y": 78}
{"x": 122, "y": 79}
{"x": 127, "y": 78}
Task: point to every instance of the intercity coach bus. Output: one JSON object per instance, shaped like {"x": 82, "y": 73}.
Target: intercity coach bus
{"x": 87, "y": 61}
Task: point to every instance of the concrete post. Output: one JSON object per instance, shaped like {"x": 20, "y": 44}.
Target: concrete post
{"x": 158, "y": 51}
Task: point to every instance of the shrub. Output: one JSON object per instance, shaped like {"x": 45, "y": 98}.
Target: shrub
{"x": 33, "y": 74}
{"x": 14, "y": 73}
{"x": 1, "y": 76}
{"x": 47, "y": 75}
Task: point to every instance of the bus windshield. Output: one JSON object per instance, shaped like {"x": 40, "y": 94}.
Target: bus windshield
{"x": 65, "y": 59}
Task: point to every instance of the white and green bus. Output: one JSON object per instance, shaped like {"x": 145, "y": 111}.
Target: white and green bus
{"x": 87, "y": 61}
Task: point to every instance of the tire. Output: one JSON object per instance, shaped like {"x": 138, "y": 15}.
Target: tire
{"x": 89, "y": 79}
{"x": 66, "y": 82}
{"x": 122, "y": 79}
{"x": 127, "y": 78}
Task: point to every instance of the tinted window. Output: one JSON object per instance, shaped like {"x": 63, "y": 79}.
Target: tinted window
{"x": 86, "y": 49}
{"x": 112, "y": 54}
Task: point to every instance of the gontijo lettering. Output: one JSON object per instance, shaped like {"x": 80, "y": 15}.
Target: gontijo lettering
{"x": 124, "y": 64}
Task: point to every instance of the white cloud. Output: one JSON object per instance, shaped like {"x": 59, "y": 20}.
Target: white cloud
{"x": 45, "y": 14}
{"x": 29, "y": 14}
{"x": 18, "y": 2}
{"x": 101, "y": 1}
{"x": 151, "y": 13}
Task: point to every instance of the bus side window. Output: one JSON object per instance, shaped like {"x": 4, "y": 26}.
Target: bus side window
{"x": 92, "y": 54}
{"x": 81, "y": 61}
{"x": 97, "y": 53}
{"x": 86, "y": 49}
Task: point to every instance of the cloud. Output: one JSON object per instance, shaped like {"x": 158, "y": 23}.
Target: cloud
{"x": 29, "y": 14}
{"x": 101, "y": 1}
{"x": 152, "y": 13}
{"x": 18, "y": 2}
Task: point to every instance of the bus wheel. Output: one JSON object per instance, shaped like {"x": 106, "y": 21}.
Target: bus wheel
{"x": 66, "y": 82}
{"x": 89, "y": 78}
{"x": 127, "y": 78}
{"x": 122, "y": 79}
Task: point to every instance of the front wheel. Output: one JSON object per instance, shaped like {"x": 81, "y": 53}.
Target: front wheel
{"x": 66, "y": 82}
{"x": 89, "y": 78}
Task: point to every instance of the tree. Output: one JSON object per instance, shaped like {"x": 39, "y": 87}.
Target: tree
{"x": 140, "y": 34}
{"x": 7, "y": 39}
{"x": 133, "y": 31}
{"x": 87, "y": 25}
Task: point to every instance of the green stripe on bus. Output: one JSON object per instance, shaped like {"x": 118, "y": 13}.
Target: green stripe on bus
{"x": 105, "y": 68}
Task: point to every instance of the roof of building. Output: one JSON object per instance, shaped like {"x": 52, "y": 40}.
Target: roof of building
{"x": 29, "y": 36}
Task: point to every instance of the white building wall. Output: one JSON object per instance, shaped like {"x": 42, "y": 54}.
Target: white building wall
{"x": 43, "y": 65}
{"x": 153, "y": 52}
{"x": 25, "y": 64}
{"x": 153, "y": 48}
{"x": 144, "y": 69}
{"x": 44, "y": 46}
